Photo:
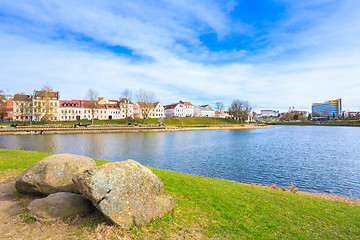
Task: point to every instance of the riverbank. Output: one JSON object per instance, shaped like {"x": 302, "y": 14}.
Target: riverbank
{"x": 342, "y": 123}
{"x": 168, "y": 121}
{"x": 206, "y": 208}
{"x": 69, "y": 129}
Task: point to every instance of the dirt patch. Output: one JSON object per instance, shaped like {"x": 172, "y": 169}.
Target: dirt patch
{"x": 13, "y": 226}
{"x": 14, "y": 223}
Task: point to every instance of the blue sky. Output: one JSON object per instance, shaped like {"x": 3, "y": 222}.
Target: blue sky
{"x": 275, "y": 54}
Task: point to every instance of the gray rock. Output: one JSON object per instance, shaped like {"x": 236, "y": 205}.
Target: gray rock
{"x": 125, "y": 192}
{"x": 53, "y": 174}
{"x": 59, "y": 205}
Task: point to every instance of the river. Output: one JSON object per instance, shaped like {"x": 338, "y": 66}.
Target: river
{"x": 315, "y": 158}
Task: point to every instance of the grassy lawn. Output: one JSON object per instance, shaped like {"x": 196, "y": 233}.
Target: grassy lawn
{"x": 166, "y": 121}
{"x": 215, "y": 208}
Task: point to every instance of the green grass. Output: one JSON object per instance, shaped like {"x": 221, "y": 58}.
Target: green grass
{"x": 167, "y": 121}
{"x": 215, "y": 208}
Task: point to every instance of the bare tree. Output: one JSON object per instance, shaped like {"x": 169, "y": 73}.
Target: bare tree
{"x": 45, "y": 105}
{"x": 127, "y": 96}
{"x": 219, "y": 106}
{"x": 92, "y": 97}
{"x": 240, "y": 110}
{"x": 145, "y": 101}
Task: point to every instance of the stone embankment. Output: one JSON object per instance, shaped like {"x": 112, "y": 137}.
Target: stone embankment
{"x": 71, "y": 129}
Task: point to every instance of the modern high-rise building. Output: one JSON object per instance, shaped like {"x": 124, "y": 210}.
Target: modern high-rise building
{"x": 331, "y": 108}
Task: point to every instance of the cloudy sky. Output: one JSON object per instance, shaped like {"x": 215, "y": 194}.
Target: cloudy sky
{"x": 273, "y": 53}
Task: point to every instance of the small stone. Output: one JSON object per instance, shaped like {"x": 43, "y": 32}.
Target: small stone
{"x": 60, "y": 205}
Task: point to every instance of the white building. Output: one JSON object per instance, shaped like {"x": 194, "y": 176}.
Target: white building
{"x": 127, "y": 108}
{"x": 222, "y": 114}
{"x": 22, "y": 107}
{"x": 108, "y": 111}
{"x": 72, "y": 110}
{"x": 204, "y": 111}
{"x": 180, "y": 109}
{"x": 155, "y": 110}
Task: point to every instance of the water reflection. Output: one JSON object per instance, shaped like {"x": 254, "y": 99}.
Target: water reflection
{"x": 313, "y": 158}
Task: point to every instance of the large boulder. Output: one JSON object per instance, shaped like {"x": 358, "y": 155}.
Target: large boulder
{"x": 60, "y": 205}
{"x": 53, "y": 174}
{"x": 125, "y": 192}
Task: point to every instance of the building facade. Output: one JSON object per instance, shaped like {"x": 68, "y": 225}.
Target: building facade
{"x": 71, "y": 110}
{"x": 330, "y": 108}
{"x": 153, "y": 110}
{"x": 126, "y": 107}
{"x": 46, "y": 106}
{"x": 222, "y": 114}
{"x": 179, "y": 109}
{"x": 23, "y": 107}
{"x": 204, "y": 111}
{"x": 74, "y": 110}
{"x": 6, "y": 107}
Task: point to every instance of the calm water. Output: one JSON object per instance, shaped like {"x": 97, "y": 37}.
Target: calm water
{"x": 314, "y": 158}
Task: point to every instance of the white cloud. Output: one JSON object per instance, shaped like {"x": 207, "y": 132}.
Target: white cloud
{"x": 311, "y": 64}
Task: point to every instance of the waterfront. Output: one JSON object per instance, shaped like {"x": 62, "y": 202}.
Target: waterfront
{"x": 316, "y": 159}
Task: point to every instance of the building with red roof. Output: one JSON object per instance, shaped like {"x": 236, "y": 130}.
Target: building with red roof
{"x": 151, "y": 109}
{"x": 6, "y": 107}
{"x": 74, "y": 110}
{"x": 222, "y": 114}
{"x": 179, "y": 109}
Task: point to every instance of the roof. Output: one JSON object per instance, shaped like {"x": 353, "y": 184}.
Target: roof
{"x": 111, "y": 105}
{"x": 222, "y": 112}
{"x": 124, "y": 100}
{"x": 172, "y": 106}
{"x": 147, "y": 104}
{"x": 42, "y": 93}
{"x": 70, "y": 103}
{"x": 107, "y": 106}
{"x": 83, "y": 103}
{"x": 22, "y": 97}
{"x": 185, "y": 103}
{"x": 205, "y": 108}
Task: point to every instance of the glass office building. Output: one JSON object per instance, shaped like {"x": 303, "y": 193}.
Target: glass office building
{"x": 331, "y": 108}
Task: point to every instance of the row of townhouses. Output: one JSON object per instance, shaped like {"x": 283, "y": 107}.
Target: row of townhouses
{"x": 47, "y": 105}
